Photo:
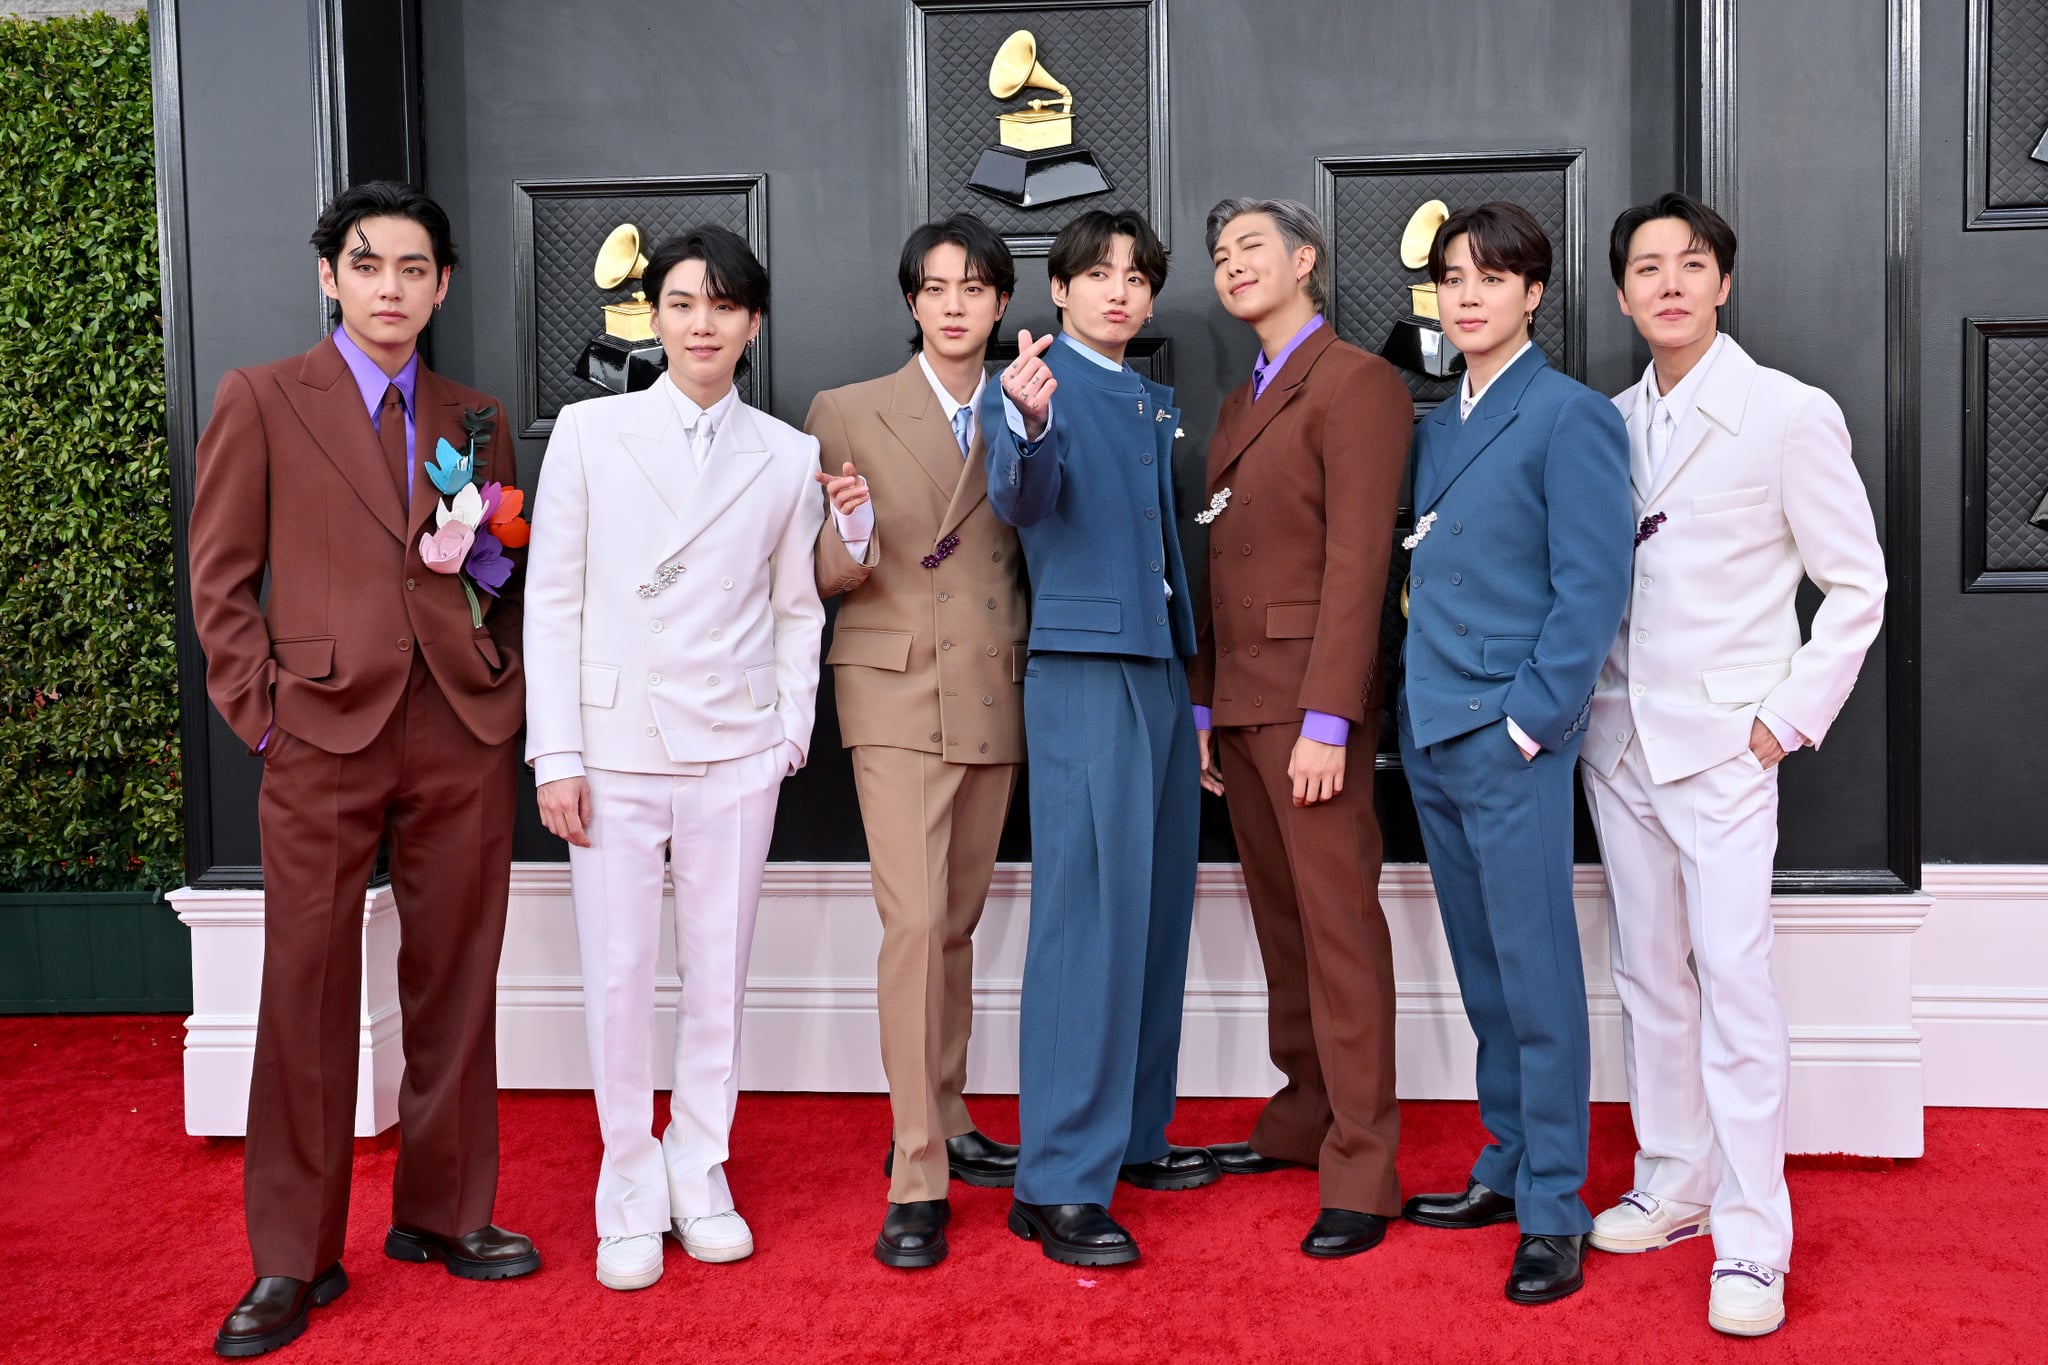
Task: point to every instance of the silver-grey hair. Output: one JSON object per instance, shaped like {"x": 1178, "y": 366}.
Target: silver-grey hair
{"x": 1299, "y": 227}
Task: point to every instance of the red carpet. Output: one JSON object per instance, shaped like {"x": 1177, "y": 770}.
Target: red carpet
{"x": 121, "y": 1240}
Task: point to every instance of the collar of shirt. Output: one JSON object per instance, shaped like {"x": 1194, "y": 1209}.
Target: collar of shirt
{"x": 1468, "y": 400}
{"x": 1091, "y": 353}
{"x": 947, "y": 402}
{"x": 371, "y": 381}
{"x": 1685, "y": 393}
{"x": 688, "y": 411}
{"x": 1263, "y": 369}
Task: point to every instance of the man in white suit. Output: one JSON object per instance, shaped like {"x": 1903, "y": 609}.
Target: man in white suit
{"x": 1744, "y": 485}
{"x": 674, "y": 625}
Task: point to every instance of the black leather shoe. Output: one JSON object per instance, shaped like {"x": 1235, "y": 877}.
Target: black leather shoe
{"x": 973, "y": 1159}
{"x": 1477, "y": 1207}
{"x": 914, "y": 1234}
{"x": 1340, "y": 1232}
{"x": 273, "y": 1312}
{"x": 1238, "y": 1158}
{"x": 489, "y": 1253}
{"x": 1074, "y": 1234}
{"x": 1182, "y": 1168}
{"x": 1547, "y": 1267}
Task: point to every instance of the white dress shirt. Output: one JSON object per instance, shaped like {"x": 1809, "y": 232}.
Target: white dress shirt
{"x": 700, "y": 425}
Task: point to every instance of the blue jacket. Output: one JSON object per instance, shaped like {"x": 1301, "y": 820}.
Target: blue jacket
{"x": 1092, "y": 501}
{"x": 1516, "y": 590}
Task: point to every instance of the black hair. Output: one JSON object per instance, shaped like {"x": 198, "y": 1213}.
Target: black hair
{"x": 1504, "y": 237}
{"x": 732, "y": 271}
{"x": 1710, "y": 231}
{"x": 382, "y": 199}
{"x": 1084, "y": 243}
{"x": 988, "y": 259}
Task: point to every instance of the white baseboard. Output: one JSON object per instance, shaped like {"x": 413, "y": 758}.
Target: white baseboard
{"x": 1870, "y": 1038}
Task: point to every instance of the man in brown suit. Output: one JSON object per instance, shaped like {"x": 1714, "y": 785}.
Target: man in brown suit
{"x": 928, "y": 659}
{"x": 1304, "y": 471}
{"x": 383, "y": 696}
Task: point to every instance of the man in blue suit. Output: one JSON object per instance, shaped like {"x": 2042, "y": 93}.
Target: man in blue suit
{"x": 1109, "y": 732}
{"x": 1519, "y": 577}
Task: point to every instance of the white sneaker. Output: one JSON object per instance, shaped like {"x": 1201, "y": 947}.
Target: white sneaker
{"x": 1643, "y": 1222}
{"x": 1747, "y": 1299}
{"x": 716, "y": 1237}
{"x": 629, "y": 1262}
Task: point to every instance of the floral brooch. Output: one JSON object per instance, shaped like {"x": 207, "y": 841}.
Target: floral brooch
{"x": 1649, "y": 526}
{"x": 1216, "y": 506}
{"x": 941, "y": 552}
{"x": 1422, "y": 526}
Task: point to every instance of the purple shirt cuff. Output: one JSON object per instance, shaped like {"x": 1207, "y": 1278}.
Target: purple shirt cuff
{"x": 1202, "y": 718}
{"x": 264, "y": 743}
{"x": 1325, "y": 728}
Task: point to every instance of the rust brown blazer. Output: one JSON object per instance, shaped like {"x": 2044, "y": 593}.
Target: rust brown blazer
{"x": 924, "y": 659}
{"x": 291, "y": 478}
{"x": 1315, "y": 462}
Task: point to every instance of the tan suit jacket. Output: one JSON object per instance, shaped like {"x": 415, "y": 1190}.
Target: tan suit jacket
{"x": 924, "y": 659}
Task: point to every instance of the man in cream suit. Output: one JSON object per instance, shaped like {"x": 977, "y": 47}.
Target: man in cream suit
{"x": 928, "y": 659}
{"x": 1744, "y": 485}
{"x": 675, "y": 625}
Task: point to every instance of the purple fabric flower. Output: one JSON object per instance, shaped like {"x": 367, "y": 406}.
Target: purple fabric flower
{"x": 487, "y": 566}
{"x": 493, "y": 494}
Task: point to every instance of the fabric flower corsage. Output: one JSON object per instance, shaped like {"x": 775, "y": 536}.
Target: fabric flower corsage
{"x": 941, "y": 552}
{"x": 1216, "y": 506}
{"x": 475, "y": 521}
{"x": 1649, "y": 526}
{"x": 1422, "y": 525}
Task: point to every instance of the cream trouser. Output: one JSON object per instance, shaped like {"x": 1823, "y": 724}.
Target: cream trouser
{"x": 714, "y": 825}
{"x": 1688, "y": 867}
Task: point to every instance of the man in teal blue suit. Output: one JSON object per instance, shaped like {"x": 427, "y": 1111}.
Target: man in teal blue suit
{"x": 1109, "y": 732}
{"x": 1516, "y": 588}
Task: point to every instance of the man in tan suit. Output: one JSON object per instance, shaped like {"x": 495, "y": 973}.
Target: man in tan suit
{"x": 1304, "y": 471}
{"x": 383, "y": 693}
{"x": 928, "y": 659}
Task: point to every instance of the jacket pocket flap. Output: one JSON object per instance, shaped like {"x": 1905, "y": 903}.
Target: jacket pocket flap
{"x": 761, "y": 684}
{"x": 1292, "y": 620}
{"x": 888, "y": 649}
{"x": 1745, "y": 683}
{"x": 1078, "y": 613}
{"x": 1505, "y": 653}
{"x": 310, "y": 657}
{"x": 1708, "y": 504}
{"x": 600, "y": 684}
{"x": 487, "y": 647}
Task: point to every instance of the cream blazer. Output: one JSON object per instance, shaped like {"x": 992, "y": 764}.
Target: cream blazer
{"x": 720, "y": 663}
{"x": 1757, "y": 492}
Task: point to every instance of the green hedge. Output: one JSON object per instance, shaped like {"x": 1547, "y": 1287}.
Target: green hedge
{"x": 89, "y": 794}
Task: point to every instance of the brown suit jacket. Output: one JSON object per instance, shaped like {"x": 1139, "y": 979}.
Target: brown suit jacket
{"x": 925, "y": 659}
{"x": 1298, "y": 558}
{"x": 292, "y": 480}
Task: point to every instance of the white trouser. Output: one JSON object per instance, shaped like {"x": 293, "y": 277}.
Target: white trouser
{"x": 1688, "y": 867}
{"x": 715, "y": 827}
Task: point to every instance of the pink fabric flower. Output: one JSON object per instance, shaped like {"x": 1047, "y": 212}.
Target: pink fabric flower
{"x": 446, "y": 548}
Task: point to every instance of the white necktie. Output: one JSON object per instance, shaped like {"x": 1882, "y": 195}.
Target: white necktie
{"x": 1661, "y": 426}
{"x": 963, "y": 428}
{"x": 700, "y": 441}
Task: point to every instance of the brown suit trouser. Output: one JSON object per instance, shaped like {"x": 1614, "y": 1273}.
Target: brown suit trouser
{"x": 448, "y": 801}
{"x": 1312, "y": 874}
{"x": 932, "y": 832}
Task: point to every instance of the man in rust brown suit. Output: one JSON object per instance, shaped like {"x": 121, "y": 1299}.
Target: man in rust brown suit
{"x": 1304, "y": 471}
{"x": 927, "y": 657}
{"x": 378, "y": 705}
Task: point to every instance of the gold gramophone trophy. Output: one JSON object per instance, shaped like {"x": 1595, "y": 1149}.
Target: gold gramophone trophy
{"x": 1418, "y": 341}
{"x": 1038, "y": 163}
{"x": 626, "y": 357}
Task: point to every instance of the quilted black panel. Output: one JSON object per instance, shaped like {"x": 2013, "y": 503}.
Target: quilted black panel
{"x": 1369, "y": 207}
{"x": 1102, "y": 54}
{"x": 2015, "y": 452}
{"x": 2017, "y": 103}
{"x": 568, "y": 305}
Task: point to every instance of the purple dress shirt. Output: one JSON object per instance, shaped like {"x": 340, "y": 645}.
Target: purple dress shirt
{"x": 372, "y": 381}
{"x": 1316, "y": 725}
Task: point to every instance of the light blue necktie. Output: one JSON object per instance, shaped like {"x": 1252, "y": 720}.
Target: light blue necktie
{"x": 963, "y": 417}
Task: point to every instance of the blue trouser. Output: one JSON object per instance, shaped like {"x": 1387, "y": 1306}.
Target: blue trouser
{"x": 1498, "y": 831}
{"x": 1114, "y": 814}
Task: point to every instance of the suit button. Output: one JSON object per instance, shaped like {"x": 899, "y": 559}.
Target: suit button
{"x": 1151, "y": 513}
{"x": 1456, "y": 579}
{"x": 654, "y": 626}
{"x": 1457, "y": 528}
{"x": 1637, "y": 689}
{"x": 1647, "y": 580}
{"x": 712, "y": 680}
{"x": 1460, "y": 627}
{"x": 1155, "y": 566}
{"x": 1247, "y": 602}
{"x": 717, "y": 634}
{"x": 991, "y": 651}
{"x": 1253, "y": 651}
{"x": 1219, "y": 601}
{"x": 945, "y": 644}
{"x": 984, "y": 746}
{"x": 1159, "y": 620}
{"x": 652, "y": 731}
{"x": 1258, "y": 701}
{"x": 1465, "y": 674}
{"x": 1621, "y": 735}
{"x": 987, "y": 700}
{"x": 410, "y": 585}
{"x": 1472, "y": 705}
{"x": 935, "y": 736}
{"x": 654, "y": 679}
{"x": 996, "y": 555}
{"x": 991, "y": 604}
{"x": 1416, "y": 581}
{"x": 943, "y": 597}
{"x": 1642, "y": 635}
{"x": 1215, "y": 554}
{"x": 1224, "y": 649}
{"x": 1146, "y": 458}
{"x": 717, "y": 725}
{"x": 404, "y": 645}
{"x": 1246, "y": 550}
{"x": 725, "y": 583}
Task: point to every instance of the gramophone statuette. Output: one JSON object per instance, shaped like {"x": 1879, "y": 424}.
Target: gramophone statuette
{"x": 1038, "y": 162}
{"x": 626, "y": 357}
{"x": 1417, "y": 341}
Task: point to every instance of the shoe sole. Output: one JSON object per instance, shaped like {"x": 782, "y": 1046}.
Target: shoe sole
{"x": 1458, "y": 1225}
{"x": 1563, "y": 1291}
{"x": 402, "y": 1246}
{"x": 981, "y": 1180}
{"x": 1208, "y": 1176}
{"x": 627, "y": 1283}
{"x": 714, "y": 1255}
{"x": 1745, "y": 1327}
{"x": 326, "y": 1289}
{"x": 1065, "y": 1252}
{"x": 898, "y": 1259}
{"x": 1630, "y": 1246}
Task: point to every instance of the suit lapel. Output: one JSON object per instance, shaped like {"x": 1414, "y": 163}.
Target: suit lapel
{"x": 327, "y": 400}
{"x": 1252, "y": 416}
{"x": 437, "y": 414}
{"x": 913, "y": 416}
{"x": 661, "y": 451}
{"x": 1636, "y": 417}
{"x": 1493, "y": 414}
{"x": 738, "y": 456}
{"x": 1723, "y": 399}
